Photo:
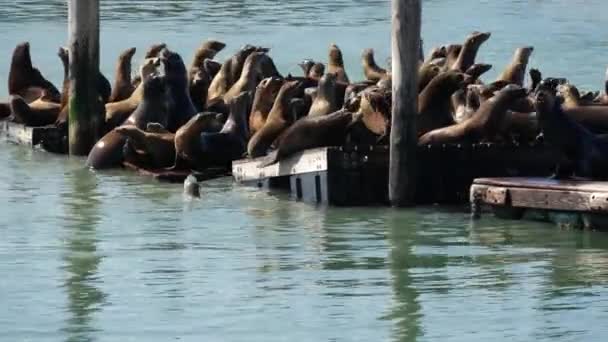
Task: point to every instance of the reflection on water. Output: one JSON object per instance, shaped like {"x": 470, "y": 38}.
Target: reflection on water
{"x": 109, "y": 255}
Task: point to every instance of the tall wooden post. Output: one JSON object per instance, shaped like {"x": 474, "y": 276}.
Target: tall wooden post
{"x": 86, "y": 110}
{"x": 405, "y": 44}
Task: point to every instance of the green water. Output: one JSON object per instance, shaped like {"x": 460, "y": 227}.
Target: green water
{"x": 112, "y": 256}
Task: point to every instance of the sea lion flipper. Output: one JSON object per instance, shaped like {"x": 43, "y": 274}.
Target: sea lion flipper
{"x": 270, "y": 159}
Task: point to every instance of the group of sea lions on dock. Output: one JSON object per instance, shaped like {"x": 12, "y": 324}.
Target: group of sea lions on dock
{"x": 175, "y": 117}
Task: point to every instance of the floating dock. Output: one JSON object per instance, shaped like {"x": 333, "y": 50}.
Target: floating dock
{"x": 51, "y": 138}
{"x": 358, "y": 175}
{"x": 178, "y": 176}
{"x": 568, "y": 203}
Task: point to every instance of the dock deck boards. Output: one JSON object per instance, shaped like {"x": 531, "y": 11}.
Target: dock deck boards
{"x": 512, "y": 197}
{"x": 49, "y": 137}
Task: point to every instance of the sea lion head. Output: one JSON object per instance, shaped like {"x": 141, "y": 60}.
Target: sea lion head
{"x": 513, "y": 91}
{"x": 522, "y": 54}
{"x": 22, "y": 57}
{"x": 327, "y": 84}
{"x": 191, "y": 187}
{"x": 477, "y": 38}
{"x": 150, "y": 67}
{"x": 438, "y": 52}
{"x": 568, "y": 90}
{"x": 127, "y": 54}
{"x": 317, "y": 71}
{"x": 154, "y": 50}
{"x": 545, "y": 101}
{"x": 477, "y": 70}
{"x": 64, "y": 55}
{"x": 174, "y": 66}
{"x": 368, "y": 56}
{"x": 335, "y": 55}
{"x": 453, "y": 50}
{"x": 306, "y": 65}
{"x": 214, "y": 45}
{"x": 270, "y": 86}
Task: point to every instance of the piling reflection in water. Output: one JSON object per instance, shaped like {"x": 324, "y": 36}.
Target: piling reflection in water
{"x": 82, "y": 260}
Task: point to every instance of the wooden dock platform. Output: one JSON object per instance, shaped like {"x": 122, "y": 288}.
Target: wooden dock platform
{"x": 358, "y": 175}
{"x": 568, "y": 203}
{"x": 178, "y": 176}
{"x": 50, "y": 138}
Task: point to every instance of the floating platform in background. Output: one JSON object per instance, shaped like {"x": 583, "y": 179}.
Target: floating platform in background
{"x": 51, "y": 138}
{"x": 163, "y": 175}
{"x": 358, "y": 175}
{"x": 568, "y": 203}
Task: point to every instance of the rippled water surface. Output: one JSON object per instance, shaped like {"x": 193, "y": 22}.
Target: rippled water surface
{"x": 116, "y": 257}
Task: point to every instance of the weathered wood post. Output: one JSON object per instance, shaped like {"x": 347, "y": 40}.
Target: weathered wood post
{"x": 86, "y": 110}
{"x": 405, "y": 44}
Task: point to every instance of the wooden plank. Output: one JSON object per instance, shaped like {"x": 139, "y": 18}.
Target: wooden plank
{"x": 18, "y": 133}
{"x": 312, "y": 160}
{"x": 405, "y": 44}
{"x": 545, "y": 183}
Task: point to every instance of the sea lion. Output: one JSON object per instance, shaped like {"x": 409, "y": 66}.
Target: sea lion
{"x": 371, "y": 70}
{"x": 267, "y": 68}
{"x": 317, "y": 71}
{"x": 325, "y": 99}
{"x": 229, "y": 144}
{"x": 306, "y": 64}
{"x": 36, "y": 113}
{"x": 467, "y": 55}
{"x": 515, "y": 71}
{"x": 278, "y": 119}
{"x": 248, "y": 79}
{"x": 485, "y": 124}
{"x": 434, "y": 101}
{"x": 425, "y": 74}
{"x": 152, "y": 52}
{"x": 158, "y": 148}
{"x": 191, "y": 187}
{"x": 311, "y": 132}
{"x": 207, "y": 50}
{"x": 535, "y": 79}
{"x": 224, "y": 79}
{"x": 123, "y": 88}
{"x": 265, "y": 94}
{"x": 375, "y": 112}
{"x": 452, "y": 53}
{"x": 584, "y": 154}
{"x": 27, "y": 81}
{"x": 478, "y": 69}
{"x": 180, "y": 106}
{"x": 593, "y": 117}
{"x": 436, "y": 52}
{"x": 336, "y": 64}
{"x": 187, "y": 138}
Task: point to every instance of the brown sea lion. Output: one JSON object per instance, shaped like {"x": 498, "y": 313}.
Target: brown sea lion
{"x": 224, "y": 79}
{"x": 452, "y": 53}
{"x": 336, "y": 64}
{"x": 26, "y": 81}
{"x": 425, "y": 74}
{"x": 306, "y": 64}
{"x": 436, "y": 52}
{"x": 229, "y": 144}
{"x": 248, "y": 79}
{"x": 371, "y": 70}
{"x": 478, "y": 69}
{"x": 158, "y": 147}
{"x": 187, "y": 138}
{"x": 375, "y": 112}
{"x": 311, "y": 132}
{"x": 123, "y": 88}
{"x": 485, "y": 124}
{"x": 180, "y": 108}
{"x": 593, "y": 117}
{"x": 434, "y": 101}
{"x": 325, "y": 99}
{"x": 316, "y": 71}
{"x": 515, "y": 71}
{"x": 265, "y": 95}
{"x": 36, "y": 113}
{"x": 584, "y": 154}
{"x": 278, "y": 119}
{"x": 467, "y": 55}
{"x": 207, "y": 50}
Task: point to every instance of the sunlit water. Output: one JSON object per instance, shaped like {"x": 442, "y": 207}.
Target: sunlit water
{"x": 114, "y": 256}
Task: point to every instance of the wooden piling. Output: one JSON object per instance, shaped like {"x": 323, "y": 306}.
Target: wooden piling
{"x": 405, "y": 45}
{"x": 86, "y": 112}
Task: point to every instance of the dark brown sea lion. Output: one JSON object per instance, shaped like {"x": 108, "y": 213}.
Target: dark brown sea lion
{"x": 180, "y": 106}
{"x": 336, "y": 64}
{"x": 316, "y": 71}
{"x": 515, "y": 71}
{"x": 425, "y": 74}
{"x": 485, "y": 124}
{"x": 584, "y": 154}
{"x": 123, "y": 88}
{"x": 436, "y": 52}
{"x": 249, "y": 77}
{"x": 325, "y": 99}
{"x": 224, "y": 79}
{"x": 26, "y": 81}
{"x": 187, "y": 138}
{"x": 152, "y": 52}
{"x": 278, "y": 119}
{"x": 311, "y": 132}
{"x": 36, "y": 113}
{"x": 593, "y": 117}
{"x": 265, "y": 95}
{"x": 434, "y": 101}
{"x": 155, "y": 149}
{"x": 452, "y": 53}
{"x": 207, "y": 50}
{"x": 535, "y": 78}
{"x": 478, "y": 69}
{"x": 306, "y": 64}
{"x": 371, "y": 70}
{"x": 229, "y": 144}
{"x": 467, "y": 55}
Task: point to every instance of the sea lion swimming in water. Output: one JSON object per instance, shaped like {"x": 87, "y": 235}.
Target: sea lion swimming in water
{"x": 371, "y": 70}
{"x": 336, "y": 64}
{"x": 123, "y": 87}
{"x": 265, "y": 95}
{"x": 325, "y": 99}
{"x": 585, "y": 155}
{"x": 27, "y": 81}
{"x": 469, "y": 49}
